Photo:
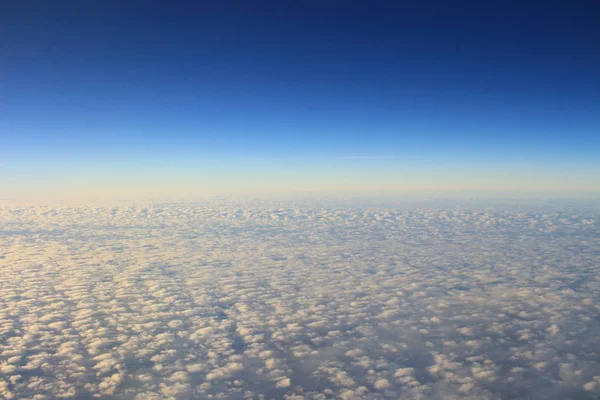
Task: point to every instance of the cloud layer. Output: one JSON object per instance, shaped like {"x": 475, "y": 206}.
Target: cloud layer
{"x": 178, "y": 301}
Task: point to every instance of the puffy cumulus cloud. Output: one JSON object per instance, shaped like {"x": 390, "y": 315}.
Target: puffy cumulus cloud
{"x": 224, "y": 300}
{"x": 593, "y": 385}
{"x": 283, "y": 383}
{"x": 381, "y": 384}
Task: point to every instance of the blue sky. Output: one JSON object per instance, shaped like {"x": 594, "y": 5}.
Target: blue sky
{"x": 264, "y": 97}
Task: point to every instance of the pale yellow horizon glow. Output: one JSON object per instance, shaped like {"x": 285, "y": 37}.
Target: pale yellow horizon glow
{"x": 171, "y": 188}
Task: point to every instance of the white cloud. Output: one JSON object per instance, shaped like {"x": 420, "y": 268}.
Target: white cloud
{"x": 186, "y": 300}
{"x": 284, "y": 383}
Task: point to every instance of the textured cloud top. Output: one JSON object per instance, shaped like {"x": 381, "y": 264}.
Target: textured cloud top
{"x": 179, "y": 301}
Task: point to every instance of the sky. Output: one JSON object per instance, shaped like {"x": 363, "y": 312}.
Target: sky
{"x": 122, "y": 99}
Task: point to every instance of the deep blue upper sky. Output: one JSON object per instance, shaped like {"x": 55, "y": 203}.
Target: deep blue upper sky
{"x": 123, "y": 79}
